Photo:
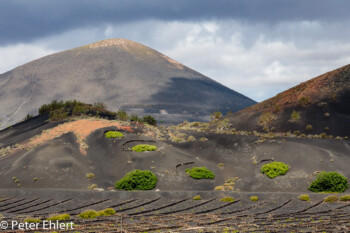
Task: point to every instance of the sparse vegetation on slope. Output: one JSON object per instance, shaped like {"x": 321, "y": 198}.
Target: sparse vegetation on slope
{"x": 321, "y": 101}
{"x": 295, "y": 116}
{"x": 304, "y": 101}
{"x": 331, "y": 182}
{"x": 215, "y": 116}
{"x": 266, "y": 119}
{"x": 149, "y": 120}
{"x": 60, "y": 110}
{"x": 137, "y": 180}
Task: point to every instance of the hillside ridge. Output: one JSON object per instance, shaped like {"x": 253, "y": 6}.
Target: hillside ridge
{"x": 121, "y": 73}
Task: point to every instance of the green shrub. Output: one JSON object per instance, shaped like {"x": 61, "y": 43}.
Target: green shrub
{"x": 92, "y": 186}
{"x": 197, "y": 198}
{"x": 59, "y": 110}
{"x": 274, "y": 169}
{"x": 227, "y": 199}
{"x": 149, "y": 120}
{"x": 122, "y": 115}
{"x": 144, "y": 147}
{"x": 323, "y": 135}
{"x": 266, "y": 118}
{"x": 295, "y": 116}
{"x": 78, "y": 110}
{"x": 135, "y": 117}
{"x": 137, "y": 180}
{"x": 329, "y": 182}
{"x": 223, "y": 124}
{"x": 191, "y": 139}
{"x": 32, "y": 220}
{"x": 106, "y": 212}
{"x": 304, "y": 101}
{"x": 219, "y": 188}
{"x": 29, "y": 116}
{"x": 254, "y": 198}
{"x": 88, "y": 214}
{"x": 100, "y": 105}
{"x": 114, "y": 134}
{"x": 90, "y": 175}
{"x": 59, "y": 217}
{"x": 331, "y": 198}
{"x": 58, "y": 115}
{"x": 345, "y": 198}
{"x": 200, "y": 173}
{"x": 35, "y": 179}
{"x": 296, "y": 132}
{"x": 215, "y": 116}
{"x": 304, "y": 198}
{"x": 309, "y": 127}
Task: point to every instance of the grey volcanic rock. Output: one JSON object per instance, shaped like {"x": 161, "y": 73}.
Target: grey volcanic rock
{"x": 121, "y": 73}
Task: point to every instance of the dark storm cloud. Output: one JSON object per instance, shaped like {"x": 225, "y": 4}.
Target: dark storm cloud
{"x": 23, "y": 20}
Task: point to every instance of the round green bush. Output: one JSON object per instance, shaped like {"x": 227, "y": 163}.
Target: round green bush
{"x": 274, "y": 169}
{"x": 345, "y": 198}
{"x": 114, "y": 134}
{"x": 331, "y": 198}
{"x": 304, "y": 198}
{"x": 137, "y": 180}
{"x": 60, "y": 217}
{"x": 88, "y": 214}
{"x": 329, "y": 182}
{"x": 227, "y": 199}
{"x": 200, "y": 173}
{"x": 144, "y": 147}
{"x": 106, "y": 212}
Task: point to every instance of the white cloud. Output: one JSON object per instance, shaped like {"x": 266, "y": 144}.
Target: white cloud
{"x": 258, "y": 60}
{"x": 16, "y": 55}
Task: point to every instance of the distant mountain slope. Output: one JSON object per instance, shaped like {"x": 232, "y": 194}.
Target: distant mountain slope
{"x": 321, "y": 104}
{"x": 122, "y": 74}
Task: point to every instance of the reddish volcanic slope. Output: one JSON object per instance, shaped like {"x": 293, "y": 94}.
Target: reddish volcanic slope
{"x": 322, "y": 102}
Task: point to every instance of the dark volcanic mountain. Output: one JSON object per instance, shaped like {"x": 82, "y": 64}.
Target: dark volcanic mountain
{"x": 121, "y": 73}
{"x": 321, "y": 104}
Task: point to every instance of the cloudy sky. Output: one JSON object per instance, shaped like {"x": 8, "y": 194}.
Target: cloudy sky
{"x": 256, "y": 47}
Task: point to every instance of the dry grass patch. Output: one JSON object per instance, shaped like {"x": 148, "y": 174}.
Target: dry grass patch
{"x": 81, "y": 128}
